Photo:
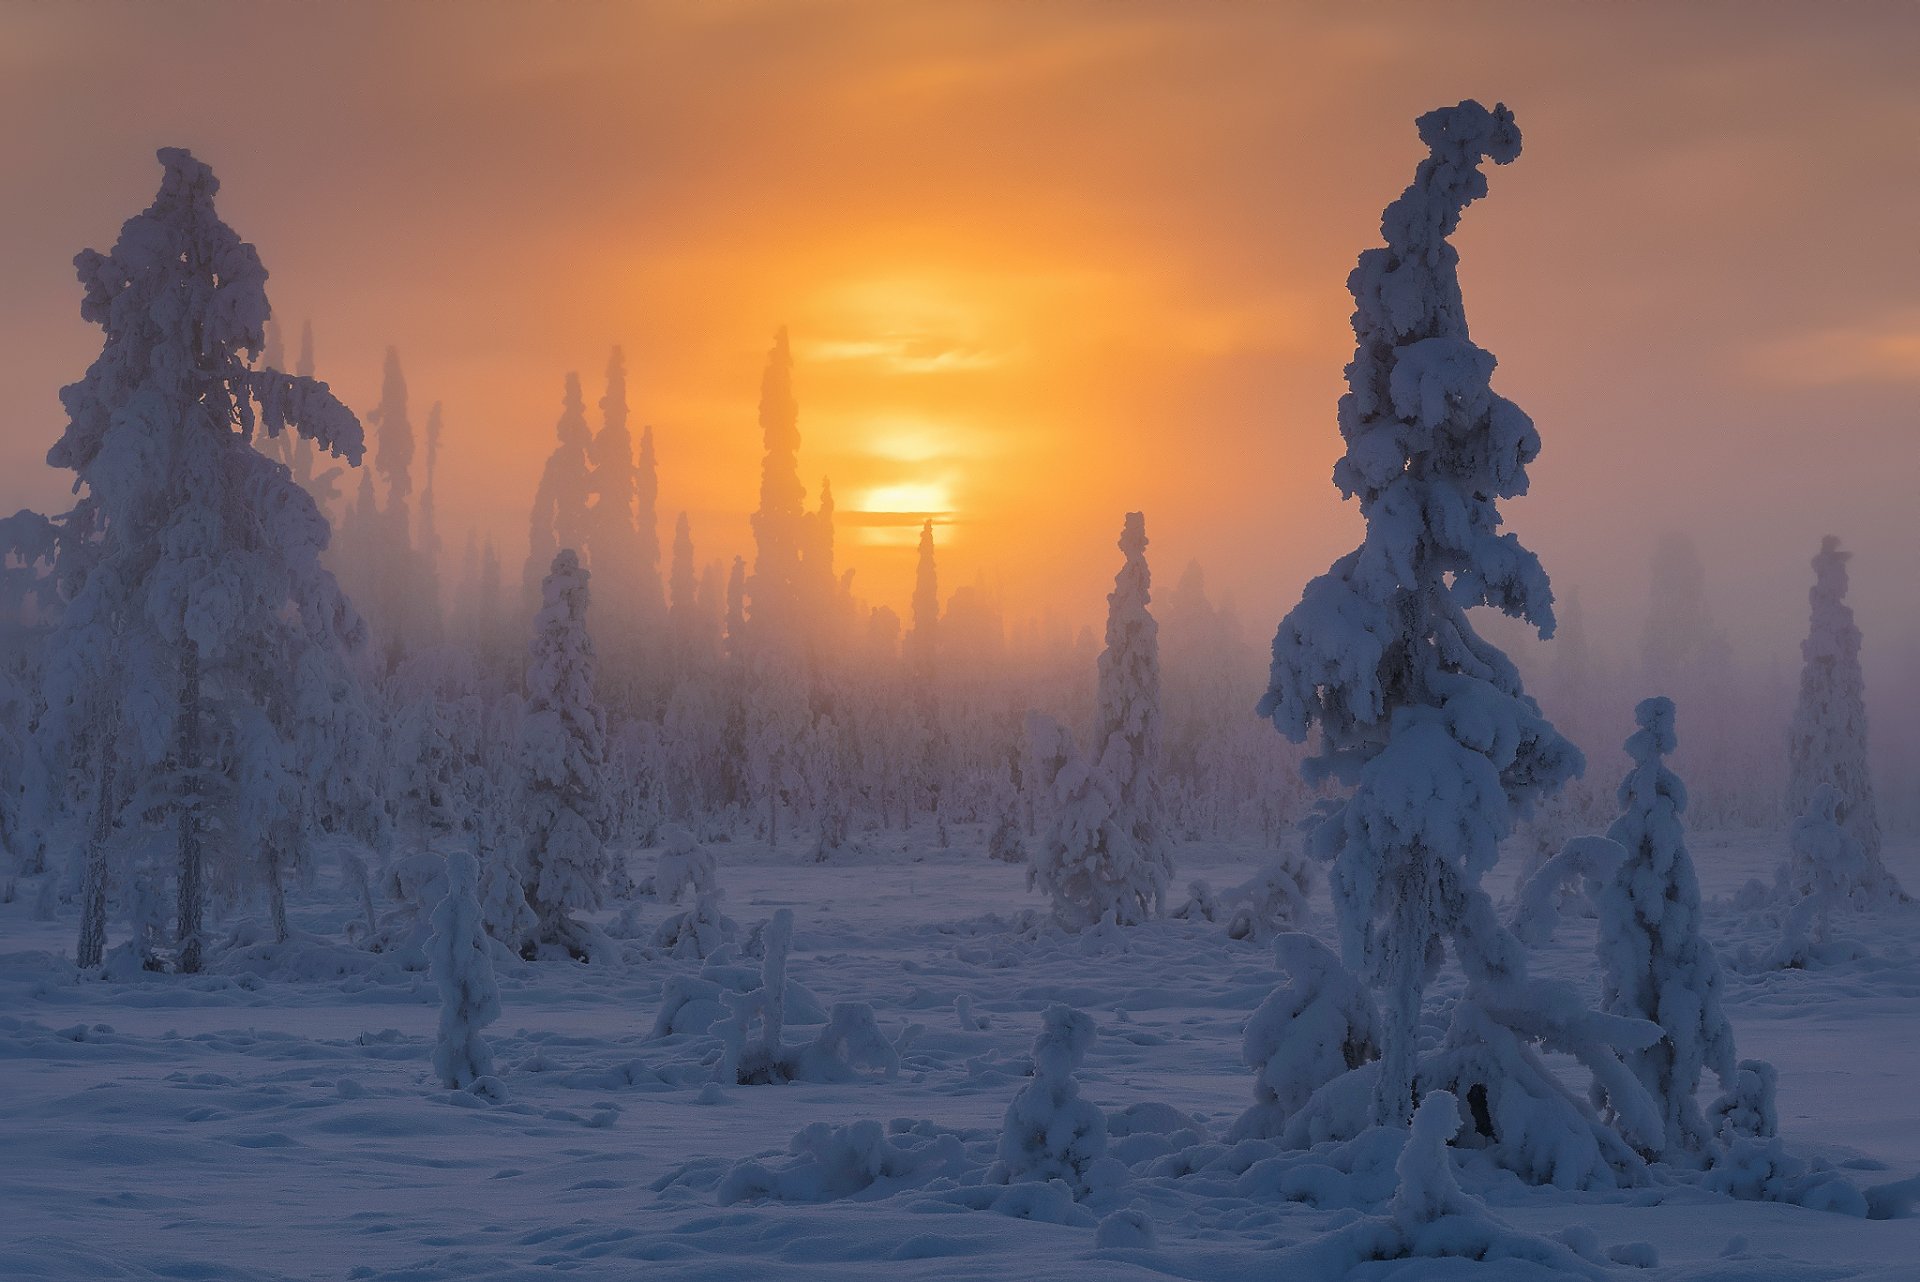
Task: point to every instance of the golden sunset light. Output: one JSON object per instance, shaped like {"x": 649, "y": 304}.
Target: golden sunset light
{"x": 918, "y": 640}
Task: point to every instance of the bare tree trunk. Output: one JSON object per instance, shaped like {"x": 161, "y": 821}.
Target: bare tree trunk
{"x": 92, "y": 945}
{"x": 192, "y": 886}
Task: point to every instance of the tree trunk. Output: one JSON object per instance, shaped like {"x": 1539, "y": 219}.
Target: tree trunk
{"x": 92, "y": 946}
{"x": 1405, "y": 975}
{"x": 192, "y": 886}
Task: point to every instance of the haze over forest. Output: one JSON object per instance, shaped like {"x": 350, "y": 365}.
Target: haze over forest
{"x": 1039, "y": 272}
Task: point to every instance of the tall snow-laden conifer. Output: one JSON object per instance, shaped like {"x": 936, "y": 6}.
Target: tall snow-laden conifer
{"x": 923, "y": 643}
{"x": 1128, "y": 741}
{"x": 427, "y": 556}
{"x": 780, "y": 523}
{"x": 622, "y": 539}
{"x": 1426, "y": 721}
{"x": 1827, "y": 739}
{"x": 1655, "y": 964}
{"x": 560, "y": 512}
{"x": 563, "y": 754}
{"x": 197, "y": 676}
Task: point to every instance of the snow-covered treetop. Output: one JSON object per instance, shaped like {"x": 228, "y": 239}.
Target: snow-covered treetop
{"x": 1834, "y": 634}
{"x": 1655, "y": 738}
{"x": 1430, "y": 450}
{"x": 183, "y": 300}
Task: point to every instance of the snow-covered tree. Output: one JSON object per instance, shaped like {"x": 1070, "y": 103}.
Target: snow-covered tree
{"x": 923, "y": 642}
{"x": 197, "y": 676}
{"x": 1086, "y": 860}
{"x": 774, "y": 593}
{"x": 1050, "y": 1132}
{"x": 462, "y": 965}
{"x": 1655, "y": 963}
{"x": 563, "y": 747}
{"x": 1127, "y": 733}
{"x": 560, "y": 502}
{"x": 686, "y": 872}
{"x": 1827, "y": 740}
{"x": 623, "y": 538}
{"x": 1105, "y": 852}
{"x": 1426, "y": 721}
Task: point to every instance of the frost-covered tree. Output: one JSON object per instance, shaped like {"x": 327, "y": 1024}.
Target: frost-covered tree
{"x": 197, "y": 677}
{"x": 1655, "y": 963}
{"x": 563, "y": 748}
{"x": 458, "y": 952}
{"x": 560, "y": 502}
{"x": 1425, "y": 720}
{"x": 1827, "y": 740}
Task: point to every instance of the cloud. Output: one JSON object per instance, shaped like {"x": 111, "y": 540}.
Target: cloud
{"x": 1884, "y": 350}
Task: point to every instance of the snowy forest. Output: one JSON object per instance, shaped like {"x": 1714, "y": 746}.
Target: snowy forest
{"x": 379, "y": 898}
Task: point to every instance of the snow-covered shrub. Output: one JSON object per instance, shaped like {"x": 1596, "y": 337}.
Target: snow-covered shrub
{"x": 1274, "y": 899}
{"x": 1746, "y": 1107}
{"x": 1202, "y": 903}
{"x": 1050, "y": 1133}
{"x": 1315, "y": 1028}
{"x": 1655, "y": 963}
{"x": 851, "y": 1041}
{"x": 1431, "y": 1217}
{"x": 831, "y": 1162}
{"x": 462, "y": 963}
{"x": 563, "y": 748}
{"x": 1761, "y": 1170}
{"x": 1827, "y": 740}
{"x": 744, "y": 1059}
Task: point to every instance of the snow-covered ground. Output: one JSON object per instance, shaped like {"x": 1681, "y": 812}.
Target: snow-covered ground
{"x": 277, "y": 1118}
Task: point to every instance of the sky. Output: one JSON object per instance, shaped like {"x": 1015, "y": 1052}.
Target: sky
{"x": 1043, "y": 264}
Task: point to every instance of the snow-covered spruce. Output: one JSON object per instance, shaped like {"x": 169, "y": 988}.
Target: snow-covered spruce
{"x": 1427, "y": 721}
{"x": 686, "y": 871}
{"x": 1827, "y": 739}
{"x": 463, "y": 970}
{"x": 563, "y": 753}
{"x": 1315, "y": 1028}
{"x": 196, "y": 681}
{"x": 1050, "y": 1133}
{"x": 1655, "y": 963}
{"x": 1106, "y": 855}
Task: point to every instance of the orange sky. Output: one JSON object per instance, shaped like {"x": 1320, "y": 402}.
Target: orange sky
{"x": 1043, "y": 263}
